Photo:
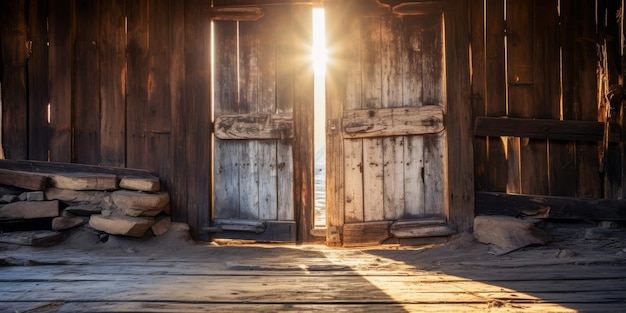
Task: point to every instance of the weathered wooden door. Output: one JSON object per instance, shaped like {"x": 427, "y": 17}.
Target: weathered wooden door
{"x": 260, "y": 82}
{"x": 387, "y": 105}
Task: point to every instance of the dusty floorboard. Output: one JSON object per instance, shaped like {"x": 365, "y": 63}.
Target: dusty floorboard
{"x": 171, "y": 274}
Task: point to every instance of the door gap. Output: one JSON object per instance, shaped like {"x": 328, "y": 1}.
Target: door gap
{"x": 319, "y": 69}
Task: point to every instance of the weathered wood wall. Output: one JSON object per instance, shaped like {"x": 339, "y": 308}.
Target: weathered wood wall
{"x": 116, "y": 83}
{"x": 539, "y": 60}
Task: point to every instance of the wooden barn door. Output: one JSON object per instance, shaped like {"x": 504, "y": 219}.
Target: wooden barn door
{"x": 260, "y": 83}
{"x": 387, "y": 146}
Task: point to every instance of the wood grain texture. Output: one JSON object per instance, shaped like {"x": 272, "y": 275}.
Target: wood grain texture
{"x": 113, "y": 80}
{"x": 60, "y": 36}
{"x": 386, "y": 122}
{"x": 254, "y": 126}
{"x": 39, "y": 130}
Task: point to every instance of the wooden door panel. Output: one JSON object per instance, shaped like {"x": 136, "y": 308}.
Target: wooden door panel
{"x": 392, "y": 125}
{"x": 254, "y": 128}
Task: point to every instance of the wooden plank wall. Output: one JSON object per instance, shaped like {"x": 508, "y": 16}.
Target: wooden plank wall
{"x": 114, "y": 83}
{"x": 538, "y": 59}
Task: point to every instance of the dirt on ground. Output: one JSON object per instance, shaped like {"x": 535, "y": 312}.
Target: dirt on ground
{"x": 571, "y": 242}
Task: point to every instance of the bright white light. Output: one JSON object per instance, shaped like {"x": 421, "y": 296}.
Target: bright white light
{"x": 319, "y": 42}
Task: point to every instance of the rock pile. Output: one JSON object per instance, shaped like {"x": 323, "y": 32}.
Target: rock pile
{"x": 114, "y": 204}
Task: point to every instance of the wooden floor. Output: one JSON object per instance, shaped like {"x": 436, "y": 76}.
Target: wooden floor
{"x": 455, "y": 277}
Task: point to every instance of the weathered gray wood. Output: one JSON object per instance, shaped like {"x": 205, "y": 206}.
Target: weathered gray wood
{"x": 420, "y": 230}
{"x": 275, "y": 231}
{"x": 29, "y": 209}
{"x": 26, "y": 180}
{"x": 254, "y": 126}
{"x": 40, "y": 238}
{"x": 255, "y": 226}
{"x": 365, "y": 234}
{"x": 368, "y": 307}
{"x": 370, "y": 123}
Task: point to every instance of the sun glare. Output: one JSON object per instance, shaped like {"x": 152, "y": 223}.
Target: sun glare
{"x": 319, "y": 42}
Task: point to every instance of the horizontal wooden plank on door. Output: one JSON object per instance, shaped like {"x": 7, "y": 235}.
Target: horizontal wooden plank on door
{"x": 369, "y": 123}
{"x": 254, "y": 126}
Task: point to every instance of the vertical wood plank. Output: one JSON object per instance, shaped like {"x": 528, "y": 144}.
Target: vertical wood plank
{"x": 391, "y": 96}
{"x": 411, "y": 95}
{"x": 226, "y": 190}
{"x": 14, "y": 97}
{"x": 546, "y": 96}
{"x": 580, "y": 56}
{"x": 158, "y": 115}
{"x": 198, "y": 103}
{"x": 479, "y": 86}
{"x": 249, "y": 42}
{"x": 113, "y": 83}
{"x": 459, "y": 174}
{"x": 520, "y": 102}
{"x": 353, "y": 164}
{"x": 86, "y": 89}
{"x": 268, "y": 32}
{"x": 284, "y": 104}
{"x": 178, "y": 153}
{"x": 61, "y": 29}
{"x": 371, "y": 63}
{"x": 39, "y": 130}
{"x": 495, "y": 96}
{"x": 303, "y": 117}
{"x": 435, "y": 158}
{"x": 353, "y": 159}
{"x": 137, "y": 84}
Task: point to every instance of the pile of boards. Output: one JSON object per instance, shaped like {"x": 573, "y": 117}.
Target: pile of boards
{"x": 39, "y": 200}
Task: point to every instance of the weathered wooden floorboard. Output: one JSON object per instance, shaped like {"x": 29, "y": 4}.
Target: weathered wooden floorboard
{"x": 368, "y": 307}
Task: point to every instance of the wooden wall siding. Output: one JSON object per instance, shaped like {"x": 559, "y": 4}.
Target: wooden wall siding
{"x": 256, "y": 71}
{"x": 14, "y": 88}
{"x": 547, "y": 50}
{"x": 128, "y": 83}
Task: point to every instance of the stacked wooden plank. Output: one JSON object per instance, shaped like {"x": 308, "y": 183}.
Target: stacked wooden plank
{"x": 47, "y": 198}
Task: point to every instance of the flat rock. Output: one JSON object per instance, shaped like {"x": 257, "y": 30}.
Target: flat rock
{"x": 134, "y": 203}
{"x": 30, "y": 209}
{"x": 140, "y": 184}
{"x": 121, "y": 225}
{"x": 93, "y": 196}
{"x": 161, "y": 226}
{"x": 32, "y": 196}
{"x": 67, "y": 221}
{"x": 84, "y": 209}
{"x": 84, "y": 181}
{"x": 8, "y": 198}
{"x": 41, "y": 238}
{"x": 508, "y": 233}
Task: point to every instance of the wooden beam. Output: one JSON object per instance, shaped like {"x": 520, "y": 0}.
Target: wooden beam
{"x": 56, "y": 168}
{"x": 254, "y": 126}
{"x": 248, "y": 14}
{"x": 543, "y": 129}
{"x": 371, "y": 123}
{"x": 536, "y": 206}
{"x": 26, "y": 180}
{"x": 365, "y": 234}
{"x": 418, "y": 8}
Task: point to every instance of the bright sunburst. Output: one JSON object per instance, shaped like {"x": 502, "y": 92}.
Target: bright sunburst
{"x": 318, "y": 54}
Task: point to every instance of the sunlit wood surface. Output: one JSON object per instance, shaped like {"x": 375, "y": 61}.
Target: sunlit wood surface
{"x": 128, "y": 276}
